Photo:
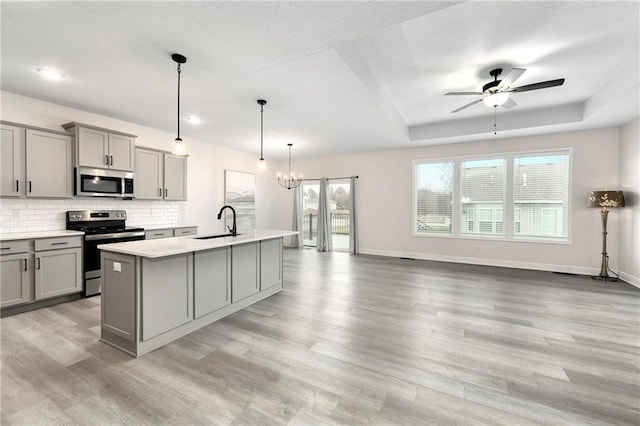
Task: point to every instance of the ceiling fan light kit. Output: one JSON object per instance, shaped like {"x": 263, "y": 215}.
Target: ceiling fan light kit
{"x": 496, "y": 92}
{"x": 496, "y": 99}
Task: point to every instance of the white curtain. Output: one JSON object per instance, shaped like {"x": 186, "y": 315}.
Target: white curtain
{"x": 353, "y": 223}
{"x": 324, "y": 218}
{"x": 297, "y": 240}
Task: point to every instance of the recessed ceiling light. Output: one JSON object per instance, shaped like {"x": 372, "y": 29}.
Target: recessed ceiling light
{"x": 50, "y": 74}
{"x": 194, "y": 119}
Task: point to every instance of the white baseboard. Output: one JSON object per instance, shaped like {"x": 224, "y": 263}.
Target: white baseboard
{"x": 569, "y": 269}
{"x": 634, "y": 281}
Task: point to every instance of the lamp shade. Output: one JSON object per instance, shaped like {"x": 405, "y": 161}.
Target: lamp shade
{"x": 605, "y": 199}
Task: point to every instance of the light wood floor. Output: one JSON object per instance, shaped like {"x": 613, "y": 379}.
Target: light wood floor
{"x": 351, "y": 340}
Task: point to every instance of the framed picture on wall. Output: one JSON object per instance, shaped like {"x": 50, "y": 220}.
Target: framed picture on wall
{"x": 240, "y": 193}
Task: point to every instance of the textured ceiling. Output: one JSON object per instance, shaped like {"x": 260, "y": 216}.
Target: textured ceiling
{"x": 338, "y": 76}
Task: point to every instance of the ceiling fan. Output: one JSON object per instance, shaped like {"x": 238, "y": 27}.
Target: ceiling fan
{"x": 496, "y": 92}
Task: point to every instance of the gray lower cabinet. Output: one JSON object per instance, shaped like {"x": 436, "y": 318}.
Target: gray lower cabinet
{"x": 212, "y": 280}
{"x": 167, "y": 294}
{"x": 158, "y": 233}
{"x": 119, "y": 297}
{"x": 245, "y": 280}
{"x": 15, "y": 279}
{"x": 58, "y": 272}
{"x": 183, "y": 232}
{"x": 270, "y": 263}
{"x": 170, "y": 232}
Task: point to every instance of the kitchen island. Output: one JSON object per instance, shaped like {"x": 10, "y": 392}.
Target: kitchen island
{"x": 155, "y": 291}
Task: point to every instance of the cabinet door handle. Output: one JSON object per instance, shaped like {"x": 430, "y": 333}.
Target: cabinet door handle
{"x": 106, "y": 160}
{"x": 166, "y": 192}
{"x": 25, "y": 264}
{"x": 29, "y": 186}
{"x": 159, "y": 192}
{"x": 158, "y": 235}
{"x": 38, "y": 266}
{"x": 60, "y": 244}
{"x": 5, "y": 248}
{"x": 111, "y": 158}
{"x": 17, "y": 185}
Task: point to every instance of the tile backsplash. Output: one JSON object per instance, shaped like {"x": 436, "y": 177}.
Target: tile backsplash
{"x": 30, "y": 215}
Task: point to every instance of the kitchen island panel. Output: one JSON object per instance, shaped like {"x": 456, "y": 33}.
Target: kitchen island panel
{"x": 167, "y": 294}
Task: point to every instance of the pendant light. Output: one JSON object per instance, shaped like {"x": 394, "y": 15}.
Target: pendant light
{"x": 289, "y": 181}
{"x": 177, "y": 146}
{"x": 262, "y": 164}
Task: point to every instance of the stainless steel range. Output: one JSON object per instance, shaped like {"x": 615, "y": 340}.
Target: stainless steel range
{"x": 99, "y": 227}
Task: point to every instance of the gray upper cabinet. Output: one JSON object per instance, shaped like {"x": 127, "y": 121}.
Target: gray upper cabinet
{"x": 11, "y": 161}
{"x": 175, "y": 177}
{"x": 160, "y": 175}
{"x": 102, "y": 148}
{"x": 149, "y": 183}
{"x": 49, "y": 170}
{"x": 35, "y": 162}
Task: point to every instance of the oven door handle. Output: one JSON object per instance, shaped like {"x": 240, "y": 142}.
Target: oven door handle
{"x": 113, "y": 236}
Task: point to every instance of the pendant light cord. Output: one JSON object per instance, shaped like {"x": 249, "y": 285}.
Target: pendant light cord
{"x": 495, "y": 113}
{"x": 261, "y": 130}
{"x": 179, "y": 102}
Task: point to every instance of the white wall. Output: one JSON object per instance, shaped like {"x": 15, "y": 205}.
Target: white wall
{"x": 629, "y": 251}
{"x": 206, "y": 166}
{"x": 385, "y": 203}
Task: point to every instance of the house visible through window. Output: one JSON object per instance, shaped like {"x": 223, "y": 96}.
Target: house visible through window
{"x": 541, "y": 194}
{"x": 482, "y": 187}
{"x": 476, "y": 191}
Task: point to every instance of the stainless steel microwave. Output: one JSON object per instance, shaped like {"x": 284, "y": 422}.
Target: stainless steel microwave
{"x": 103, "y": 183}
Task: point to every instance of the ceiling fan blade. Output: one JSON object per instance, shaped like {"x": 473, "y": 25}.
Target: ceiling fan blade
{"x": 510, "y": 103}
{"x": 462, "y": 93}
{"x": 536, "y": 86}
{"x": 467, "y": 105}
{"x": 510, "y": 78}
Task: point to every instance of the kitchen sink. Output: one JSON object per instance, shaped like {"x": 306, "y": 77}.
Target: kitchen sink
{"x": 208, "y": 237}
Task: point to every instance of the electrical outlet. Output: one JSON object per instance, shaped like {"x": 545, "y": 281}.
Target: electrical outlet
{"x": 16, "y": 214}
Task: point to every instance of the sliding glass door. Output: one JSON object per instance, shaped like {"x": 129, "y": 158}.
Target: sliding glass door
{"x": 339, "y": 199}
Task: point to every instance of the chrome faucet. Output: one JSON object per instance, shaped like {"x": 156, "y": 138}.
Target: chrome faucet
{"x": 233, "y": 230}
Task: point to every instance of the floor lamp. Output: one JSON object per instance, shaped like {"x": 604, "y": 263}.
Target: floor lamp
{"x": 605, "y": 200}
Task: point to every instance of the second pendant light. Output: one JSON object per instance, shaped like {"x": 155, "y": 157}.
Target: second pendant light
{"x": 262, "y": 163}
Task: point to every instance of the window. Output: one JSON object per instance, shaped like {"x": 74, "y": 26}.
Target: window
{"x": 516, "y": 220}
{"x": 482, "y": 186}
{"x": 549, "y": 222}
{"x": 541, "y": 195}
{"x": 434, "y": 197}
{"x": 476, "y": 191}
{"x": 471, "y": 219}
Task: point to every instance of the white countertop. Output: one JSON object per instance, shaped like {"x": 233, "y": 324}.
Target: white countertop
{"x": 159, "y": 227}
{"x": 39, "y": 234}
{"x": 179, "y": 245}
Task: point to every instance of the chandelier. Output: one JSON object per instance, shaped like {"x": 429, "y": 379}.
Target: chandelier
{"x": 289, "y": 181}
